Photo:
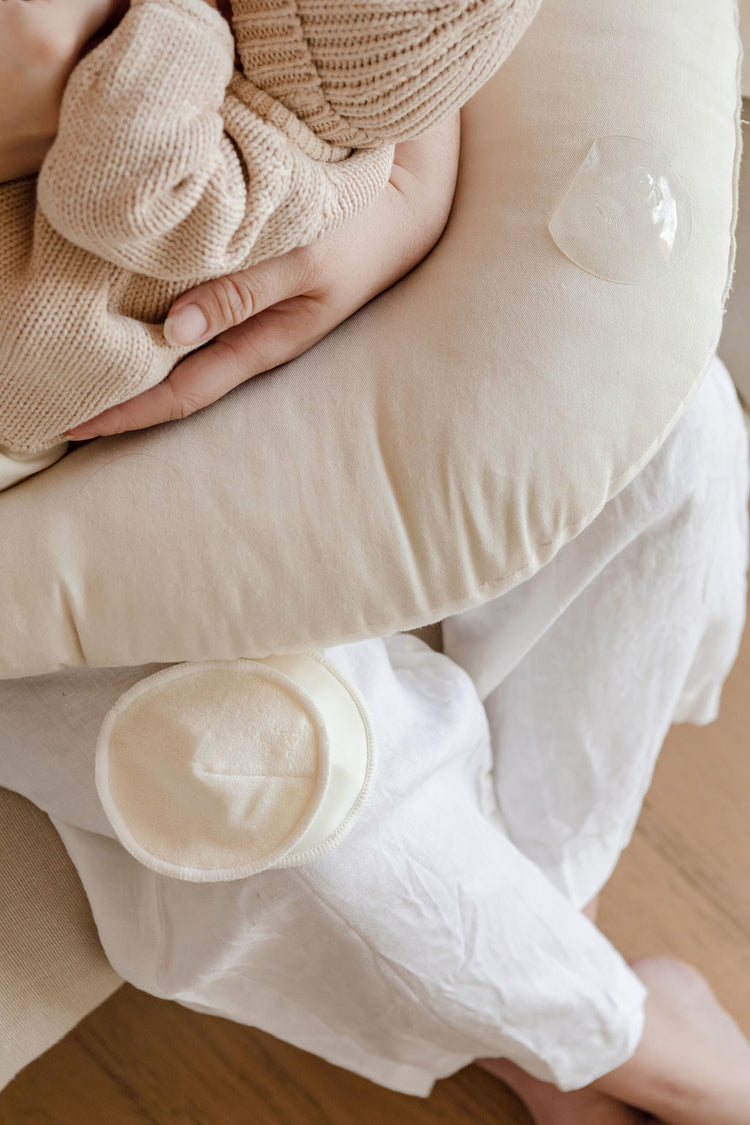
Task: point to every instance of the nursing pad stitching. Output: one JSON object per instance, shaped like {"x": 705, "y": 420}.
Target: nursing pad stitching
{"x": 129, "y": 842}
{"x": 178, "y": 671}
{"x": 346, "y": 824}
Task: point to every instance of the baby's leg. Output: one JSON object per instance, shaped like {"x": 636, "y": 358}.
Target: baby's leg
{"x": 40, "y": 43}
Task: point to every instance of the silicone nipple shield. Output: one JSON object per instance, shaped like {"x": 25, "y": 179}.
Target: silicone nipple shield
{"x": 626, "y": 216}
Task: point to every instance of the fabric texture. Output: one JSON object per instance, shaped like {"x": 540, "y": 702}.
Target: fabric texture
{"x": 171, "y": 167}
{"x": 15, "y": 467}
{"x": 430, "y": 936}
{"x": 221, "y": 769}
{"x": 443, "y": 444}
{"x": 53, "y": 968}
{"x": 374, "y": 73}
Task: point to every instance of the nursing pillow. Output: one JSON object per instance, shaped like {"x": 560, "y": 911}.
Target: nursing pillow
{"x": 450, "y": 438}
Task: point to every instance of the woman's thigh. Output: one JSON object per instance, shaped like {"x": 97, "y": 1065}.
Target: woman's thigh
{"x": 422, "y": 941}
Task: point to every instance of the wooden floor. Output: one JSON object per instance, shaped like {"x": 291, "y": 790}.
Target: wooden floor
{"x": 683, "y": 887}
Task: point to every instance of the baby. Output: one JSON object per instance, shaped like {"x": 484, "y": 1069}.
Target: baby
{"x": 185, "y": 152}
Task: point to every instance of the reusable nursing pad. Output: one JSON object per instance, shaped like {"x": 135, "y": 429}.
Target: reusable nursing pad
{"x": 217, "y": 770}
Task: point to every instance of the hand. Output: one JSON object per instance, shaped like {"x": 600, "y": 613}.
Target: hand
{"x": 267, "y": 315}
{"x": 40, "y": 43}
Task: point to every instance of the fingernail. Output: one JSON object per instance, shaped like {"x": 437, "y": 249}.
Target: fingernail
{"x": 185, "y": 326}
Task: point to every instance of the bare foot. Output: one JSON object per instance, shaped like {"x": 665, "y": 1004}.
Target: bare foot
{"x": 693, "y": 1064}
{"x": 550, "y": 1106}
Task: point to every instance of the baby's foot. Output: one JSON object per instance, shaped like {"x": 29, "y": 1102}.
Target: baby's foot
{"x": 713, "y": 1087}
{"x": 40, "y": 43}
{"x": 550, "y": 1106}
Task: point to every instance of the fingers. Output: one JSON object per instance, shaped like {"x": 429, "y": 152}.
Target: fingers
{"x": 160, "y": 404}
{"x": 225, "y": 302}
{"x": 273, "y": 312}
{"x": 249, "y": 344}
{"x": 274, "y": 337}
{"x": 196, "y": 382}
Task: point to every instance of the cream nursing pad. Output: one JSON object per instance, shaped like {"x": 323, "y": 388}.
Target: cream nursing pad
{"x": 218, "y": 770}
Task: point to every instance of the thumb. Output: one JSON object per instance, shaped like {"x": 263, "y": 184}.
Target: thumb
{"x": 224, "y": 302}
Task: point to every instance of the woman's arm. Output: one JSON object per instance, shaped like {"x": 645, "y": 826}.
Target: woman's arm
{"x": 265, "y": 316}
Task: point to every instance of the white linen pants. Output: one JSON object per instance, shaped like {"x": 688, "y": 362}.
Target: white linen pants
{"x": 441, "y": 930}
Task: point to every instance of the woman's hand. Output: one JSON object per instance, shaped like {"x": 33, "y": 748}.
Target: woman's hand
{"x": 267, "y": 315}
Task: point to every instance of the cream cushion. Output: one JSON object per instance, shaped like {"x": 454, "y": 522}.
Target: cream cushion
{"x": 443, "y": 444}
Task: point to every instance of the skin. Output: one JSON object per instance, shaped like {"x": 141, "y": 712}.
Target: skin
{"x": 692, "y": 1066}
{"x": 40, "y": 42}
{"x": 265, "y": 316}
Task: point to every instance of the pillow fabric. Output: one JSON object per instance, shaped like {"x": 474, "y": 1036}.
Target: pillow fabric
{"x": 268, "y": 762}
{"x": 445, "y": 442}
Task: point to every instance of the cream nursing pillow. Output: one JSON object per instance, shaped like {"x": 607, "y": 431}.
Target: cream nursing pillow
{"x": 444, "y": 443}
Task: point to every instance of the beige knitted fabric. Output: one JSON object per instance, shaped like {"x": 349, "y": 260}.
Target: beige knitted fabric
{"x": 171, "y": 167}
